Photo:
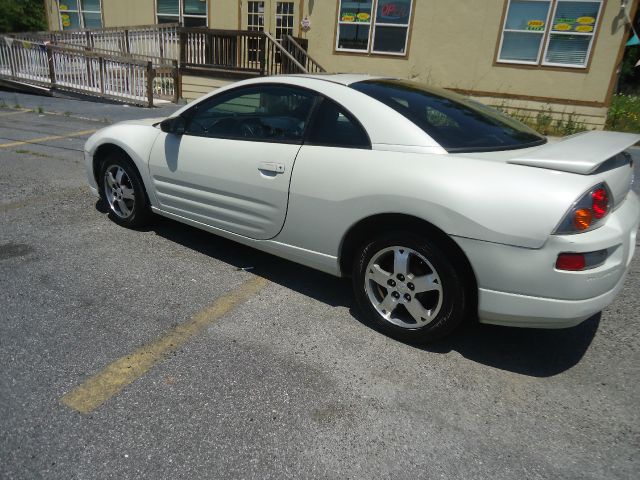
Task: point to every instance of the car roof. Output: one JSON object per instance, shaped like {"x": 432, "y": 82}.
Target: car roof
{"x": 341, "y": 78}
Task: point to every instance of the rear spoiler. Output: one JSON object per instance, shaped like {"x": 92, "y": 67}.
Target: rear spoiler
{"x": 582, "y": 153}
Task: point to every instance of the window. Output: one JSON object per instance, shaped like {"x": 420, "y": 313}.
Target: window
{"x": 266, "y": 113}
{"x": 284, "y": 19}
{"x": 374, "y": 26}
{"x": 255, "y": 21}
{"x": 332, "y": 126}
{"x": 80, "y": 14}
{"x": 556, "y": 33}
{"x": 455, "y": 122}
{"x": 189, "y": 13}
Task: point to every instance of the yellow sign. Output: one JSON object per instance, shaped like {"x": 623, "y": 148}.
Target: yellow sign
{"x": 563, "y": 27}
{"x": 586, "y": 20}
{"x": 348, "y": 18}
{"x": 535, "y": 23}
{"x": 65, "y": 18}
{"x": 363, "y": 17}
{"x": 63, "y": 7}
{"x": 66, "y": 23}
{"x": 584, "y": 28}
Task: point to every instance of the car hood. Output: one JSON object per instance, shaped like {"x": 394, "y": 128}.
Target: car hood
{"x": 142, "y": 121}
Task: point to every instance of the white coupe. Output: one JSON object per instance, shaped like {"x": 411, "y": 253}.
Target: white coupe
{"x": 438, "y": 207}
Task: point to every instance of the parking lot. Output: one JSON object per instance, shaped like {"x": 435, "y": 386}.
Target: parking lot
{"x": 172, "y": 353}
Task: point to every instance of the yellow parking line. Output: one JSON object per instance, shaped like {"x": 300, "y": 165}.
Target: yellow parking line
{"x": 46, "y": 139}
{"x": 6, "y": 114}
{"x": 101, "y": 387}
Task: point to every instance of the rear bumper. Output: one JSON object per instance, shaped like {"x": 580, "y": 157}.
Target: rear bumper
{"x": 510, "y": 309}
{"x": 521, "y": 287}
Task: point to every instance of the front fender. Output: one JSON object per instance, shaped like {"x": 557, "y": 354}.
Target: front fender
{"x": 135, "y": 140}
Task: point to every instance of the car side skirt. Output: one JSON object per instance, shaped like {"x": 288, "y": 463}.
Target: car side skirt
{"x": 319, "y": 261}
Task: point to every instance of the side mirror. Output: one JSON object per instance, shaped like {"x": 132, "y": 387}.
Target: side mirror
{"x": 175, "y": 125}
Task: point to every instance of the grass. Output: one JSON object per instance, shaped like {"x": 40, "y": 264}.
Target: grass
{"x": 624, "y": 113}
{"x": 544, "y": 123}
{"x": 34, "y": 154}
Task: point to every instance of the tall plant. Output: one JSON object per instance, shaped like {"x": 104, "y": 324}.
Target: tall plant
{"x": 22, "y": 16}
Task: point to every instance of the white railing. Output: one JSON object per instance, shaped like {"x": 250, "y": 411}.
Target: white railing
{"x": 78, "y": 69}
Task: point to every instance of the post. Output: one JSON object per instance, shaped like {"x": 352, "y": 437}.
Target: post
{"x": 52, "y": 69}
{"x": 127, "y": 46}
{"x": 183, "y": 48}
{"x": 262, "y": 43}
{"x": 101, "y": 66}
{"x": 150, "y": 75}
{"x": 12, "y": 60}
{"x": 176, "y": 82}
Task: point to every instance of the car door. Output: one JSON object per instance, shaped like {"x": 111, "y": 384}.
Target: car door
{"x": 231, "y": 168}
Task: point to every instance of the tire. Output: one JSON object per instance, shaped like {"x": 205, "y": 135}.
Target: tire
{"x": 410, "y": 288}
{"x": 122, "y": 191}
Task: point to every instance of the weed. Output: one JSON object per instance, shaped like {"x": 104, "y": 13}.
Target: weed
{"x": 624, "y": 113}
{"x": 67, "y": 114}
{"x": 40, "y": 110}
{"x": 34, "y": 154}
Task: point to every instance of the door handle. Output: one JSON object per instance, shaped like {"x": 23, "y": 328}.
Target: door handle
{"x": 271, "y": 167}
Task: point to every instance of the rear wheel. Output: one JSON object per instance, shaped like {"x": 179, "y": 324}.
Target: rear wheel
{"x": 409, "y": 287}
{"x": 122, "y": 190}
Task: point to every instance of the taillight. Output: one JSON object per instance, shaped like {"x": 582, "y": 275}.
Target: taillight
{"x": 600, "y": 200}
{"x": 574, "y": 262}
{"x": 588, "y": 212}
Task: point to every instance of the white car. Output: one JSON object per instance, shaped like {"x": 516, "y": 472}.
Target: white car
{"x": 438, "y": 207}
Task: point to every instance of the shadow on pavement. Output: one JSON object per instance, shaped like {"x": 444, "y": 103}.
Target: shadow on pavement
{"x": 533, "y": 352}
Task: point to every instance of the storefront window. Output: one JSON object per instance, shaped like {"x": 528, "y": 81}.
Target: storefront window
{"x": 76, "y": 14}
{"x": 190, "y": 13}
{"x": 374, "y": 26}
{"x": 549, "y": 32}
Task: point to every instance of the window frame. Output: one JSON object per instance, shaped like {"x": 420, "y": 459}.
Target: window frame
{"x": 189, "y": 113}
{"x": 80, "y": 12}
{"x": 181, "y": 15}
{"x": 541, "y": 62}
{"x": 372, "y": 24}
{"x": 350, "y": 116}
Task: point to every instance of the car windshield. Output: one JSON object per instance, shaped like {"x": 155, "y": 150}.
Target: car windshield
{"x": 457, "y": 123}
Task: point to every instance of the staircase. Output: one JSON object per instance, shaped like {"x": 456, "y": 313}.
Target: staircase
{"x": 141, "y": 64}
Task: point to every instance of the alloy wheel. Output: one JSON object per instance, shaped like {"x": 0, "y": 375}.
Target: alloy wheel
{"x": 403, "y": 287}
{"x": 119, "y": 191}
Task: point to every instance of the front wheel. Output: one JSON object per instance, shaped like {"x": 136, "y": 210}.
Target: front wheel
{"x": 410, "y": 288}
{"x": 121, "y": 188}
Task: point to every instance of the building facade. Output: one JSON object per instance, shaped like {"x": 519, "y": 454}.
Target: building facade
{"x": 556, "y": 57}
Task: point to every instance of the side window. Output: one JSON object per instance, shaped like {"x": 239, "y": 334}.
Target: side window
{"x": 332, "y": 126}
{"x": 264, "y": 113}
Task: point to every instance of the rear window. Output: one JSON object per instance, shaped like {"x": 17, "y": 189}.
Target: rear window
{"x": 457, "y": 123}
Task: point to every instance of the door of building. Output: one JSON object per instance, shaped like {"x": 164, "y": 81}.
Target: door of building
{"x": 276, "y": 17}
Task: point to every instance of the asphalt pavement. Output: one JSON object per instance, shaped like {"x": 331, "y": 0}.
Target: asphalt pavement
{"x": 236, "y": 364}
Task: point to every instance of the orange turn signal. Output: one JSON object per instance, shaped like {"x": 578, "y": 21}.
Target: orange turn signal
{"x": 582, "y": 218}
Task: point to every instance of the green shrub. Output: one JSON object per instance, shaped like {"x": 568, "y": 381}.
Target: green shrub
{"x": 624, "y": 113}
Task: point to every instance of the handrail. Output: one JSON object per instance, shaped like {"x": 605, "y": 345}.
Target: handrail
{"x": 291, "y": 41}
{"x": 157, "y": 61}
{"x": 117, "y": 76}
{"x": 285, "y": 53}
{"x": 96, "y": 30}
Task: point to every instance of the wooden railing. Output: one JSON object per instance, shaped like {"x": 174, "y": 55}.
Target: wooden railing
{"x": 246, "y": 52}
{"x": 160, "y": 41}
{"x": 88, "y": 72}
{"x": 297, "y": 47}
{"x": 138, "y": 64}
